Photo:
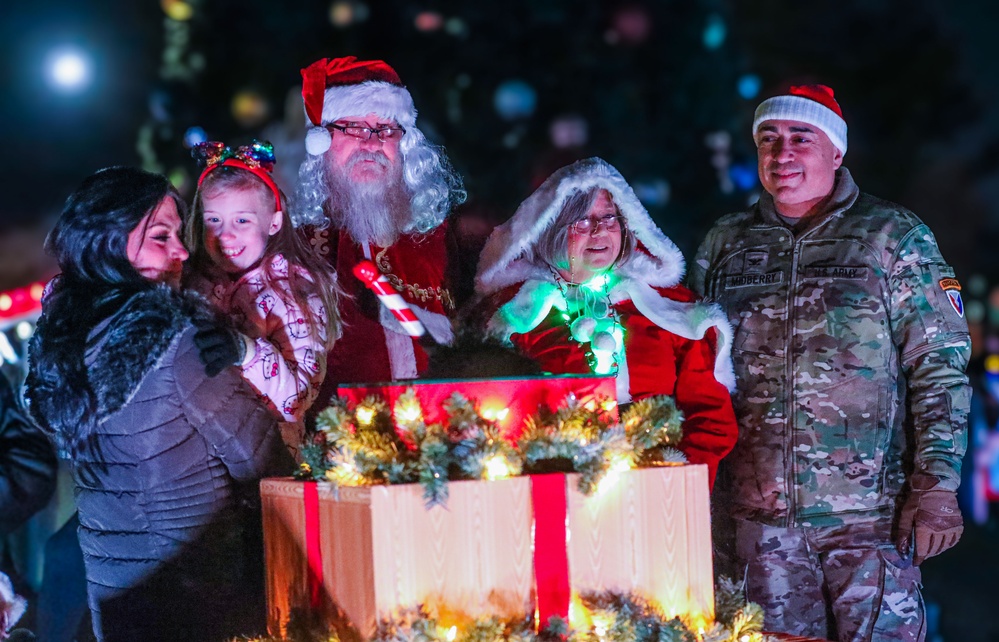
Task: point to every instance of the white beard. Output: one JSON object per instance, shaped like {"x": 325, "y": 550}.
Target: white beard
{"x": 373, "y": 212}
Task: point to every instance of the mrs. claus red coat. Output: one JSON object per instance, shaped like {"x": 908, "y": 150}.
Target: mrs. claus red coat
{"x": 673, "y": 344}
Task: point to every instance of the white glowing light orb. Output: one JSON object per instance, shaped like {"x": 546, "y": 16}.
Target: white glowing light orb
{"x": 24, "y": 330}
{"x": 364, "y": 415}
{"x": 409, "y": 413}
{"x": 69, "y": 70}
{"x": 6, "y": 350}
{"x": 495, "y": 414}
{"x": 496, "y": 467}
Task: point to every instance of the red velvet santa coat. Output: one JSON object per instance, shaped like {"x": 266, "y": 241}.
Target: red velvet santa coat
{"x": 673, "y": 344}
{"x": 374, "y": 347}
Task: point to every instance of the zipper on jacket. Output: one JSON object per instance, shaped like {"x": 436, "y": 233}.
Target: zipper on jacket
{"x": 789, "y": 477}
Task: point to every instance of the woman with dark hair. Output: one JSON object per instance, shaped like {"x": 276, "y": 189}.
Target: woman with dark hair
{"x": 582, "y": 280}
{"x": 165, "y": 457}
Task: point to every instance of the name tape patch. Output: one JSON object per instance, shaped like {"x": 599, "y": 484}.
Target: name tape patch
{"x": 750, "y": 280}
{"x": 835, "y": 272}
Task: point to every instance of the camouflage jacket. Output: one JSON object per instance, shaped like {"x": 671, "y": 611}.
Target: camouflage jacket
{"x": 850, "y": 348}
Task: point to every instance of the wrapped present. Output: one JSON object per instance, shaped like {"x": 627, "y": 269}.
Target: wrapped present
{"x": 349, "y": 557}
{"x": 510, "y": 548}
{"x": 508, "y": 401}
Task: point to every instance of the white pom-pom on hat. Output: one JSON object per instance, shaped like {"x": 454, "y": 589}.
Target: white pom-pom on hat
{"x": 317, "y": 141}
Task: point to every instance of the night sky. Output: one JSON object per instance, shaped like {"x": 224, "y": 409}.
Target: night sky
{"x": 55, "y": 138}
{"x": 918, "y": 81}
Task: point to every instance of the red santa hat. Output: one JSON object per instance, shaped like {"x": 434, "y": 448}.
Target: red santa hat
{"x": 812, "y": 104}
{"x": 335, "y": 88}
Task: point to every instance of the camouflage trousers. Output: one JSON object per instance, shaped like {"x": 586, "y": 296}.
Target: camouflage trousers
{"x": 844, "y": 583}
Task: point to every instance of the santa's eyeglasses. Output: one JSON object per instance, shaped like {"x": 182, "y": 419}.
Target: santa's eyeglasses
{"x": 364, "y": 132}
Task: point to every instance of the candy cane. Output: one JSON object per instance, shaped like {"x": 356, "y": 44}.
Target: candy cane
{"x": 377, "y": 283}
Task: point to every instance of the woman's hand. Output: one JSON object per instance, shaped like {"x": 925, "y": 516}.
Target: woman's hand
{"x": 218, "y": 347}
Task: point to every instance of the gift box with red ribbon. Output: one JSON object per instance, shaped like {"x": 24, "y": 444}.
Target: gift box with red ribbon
{"x": 511, "y": 548}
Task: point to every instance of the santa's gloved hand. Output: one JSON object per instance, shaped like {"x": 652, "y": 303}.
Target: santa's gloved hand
{"x": 368, "y": 304}
{"x": 218, "y": 347}
{"x": 930, "y": 521}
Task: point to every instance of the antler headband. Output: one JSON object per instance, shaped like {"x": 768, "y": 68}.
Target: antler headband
{"x": 256, "y": 158}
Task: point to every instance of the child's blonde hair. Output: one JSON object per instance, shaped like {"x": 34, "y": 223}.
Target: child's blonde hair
{"x": 307, "y": 275}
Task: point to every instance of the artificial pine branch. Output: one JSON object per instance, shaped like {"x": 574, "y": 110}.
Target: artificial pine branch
{"x": 730, "y": 596}
{"x": 654, "y": 426}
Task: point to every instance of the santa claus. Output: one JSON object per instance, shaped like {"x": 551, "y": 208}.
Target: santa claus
{"x": 372, "y": 187}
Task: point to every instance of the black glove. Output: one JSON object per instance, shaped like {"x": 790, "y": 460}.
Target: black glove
{"x": 218, "y": 347}
{"x": 930, "y": 521}
{"x": 367, "y": 303}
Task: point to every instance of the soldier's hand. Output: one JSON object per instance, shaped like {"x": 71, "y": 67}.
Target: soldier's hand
{"x": 929, "y": 524}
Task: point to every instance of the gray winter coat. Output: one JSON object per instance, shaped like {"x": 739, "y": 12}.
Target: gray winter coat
{"x": 166, "y": 481}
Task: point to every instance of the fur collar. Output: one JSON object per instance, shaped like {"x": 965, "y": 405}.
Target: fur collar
{"x": 534, "y": 300}
{"x": 120, "y": 351}
{"x": 658, "y": 263}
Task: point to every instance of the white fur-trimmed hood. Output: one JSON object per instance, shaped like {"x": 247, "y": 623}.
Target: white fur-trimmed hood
{"x": 657, "y": 261}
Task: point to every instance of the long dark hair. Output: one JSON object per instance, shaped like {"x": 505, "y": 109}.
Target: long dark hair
{"x": 90, "y": 243}
{"x": 307, "y": 276}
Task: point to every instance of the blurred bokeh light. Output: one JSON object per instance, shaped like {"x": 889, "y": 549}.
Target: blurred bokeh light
{"x": 69, "y": 70}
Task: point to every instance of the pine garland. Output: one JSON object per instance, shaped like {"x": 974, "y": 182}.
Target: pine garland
{"x": 573, "y": 439}
{"x": 367, "y": 444}
{"x": 610, "y": 617}
{"x": 654, "y": 426}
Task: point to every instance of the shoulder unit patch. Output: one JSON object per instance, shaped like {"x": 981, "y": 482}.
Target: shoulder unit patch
{"x": 952, "y": 288}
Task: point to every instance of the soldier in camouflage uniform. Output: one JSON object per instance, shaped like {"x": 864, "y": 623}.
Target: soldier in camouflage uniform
{"x": 850, "y": 349}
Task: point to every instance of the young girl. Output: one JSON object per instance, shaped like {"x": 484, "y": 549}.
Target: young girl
{"x": 248, "y": 261}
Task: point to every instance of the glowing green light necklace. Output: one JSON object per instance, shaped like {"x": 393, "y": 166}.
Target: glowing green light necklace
{"x": 595, "y": 327}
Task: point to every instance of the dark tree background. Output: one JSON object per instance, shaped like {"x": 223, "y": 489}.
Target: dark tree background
{"x": 665, "y": 90}
{"x": 651, "y": 81}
